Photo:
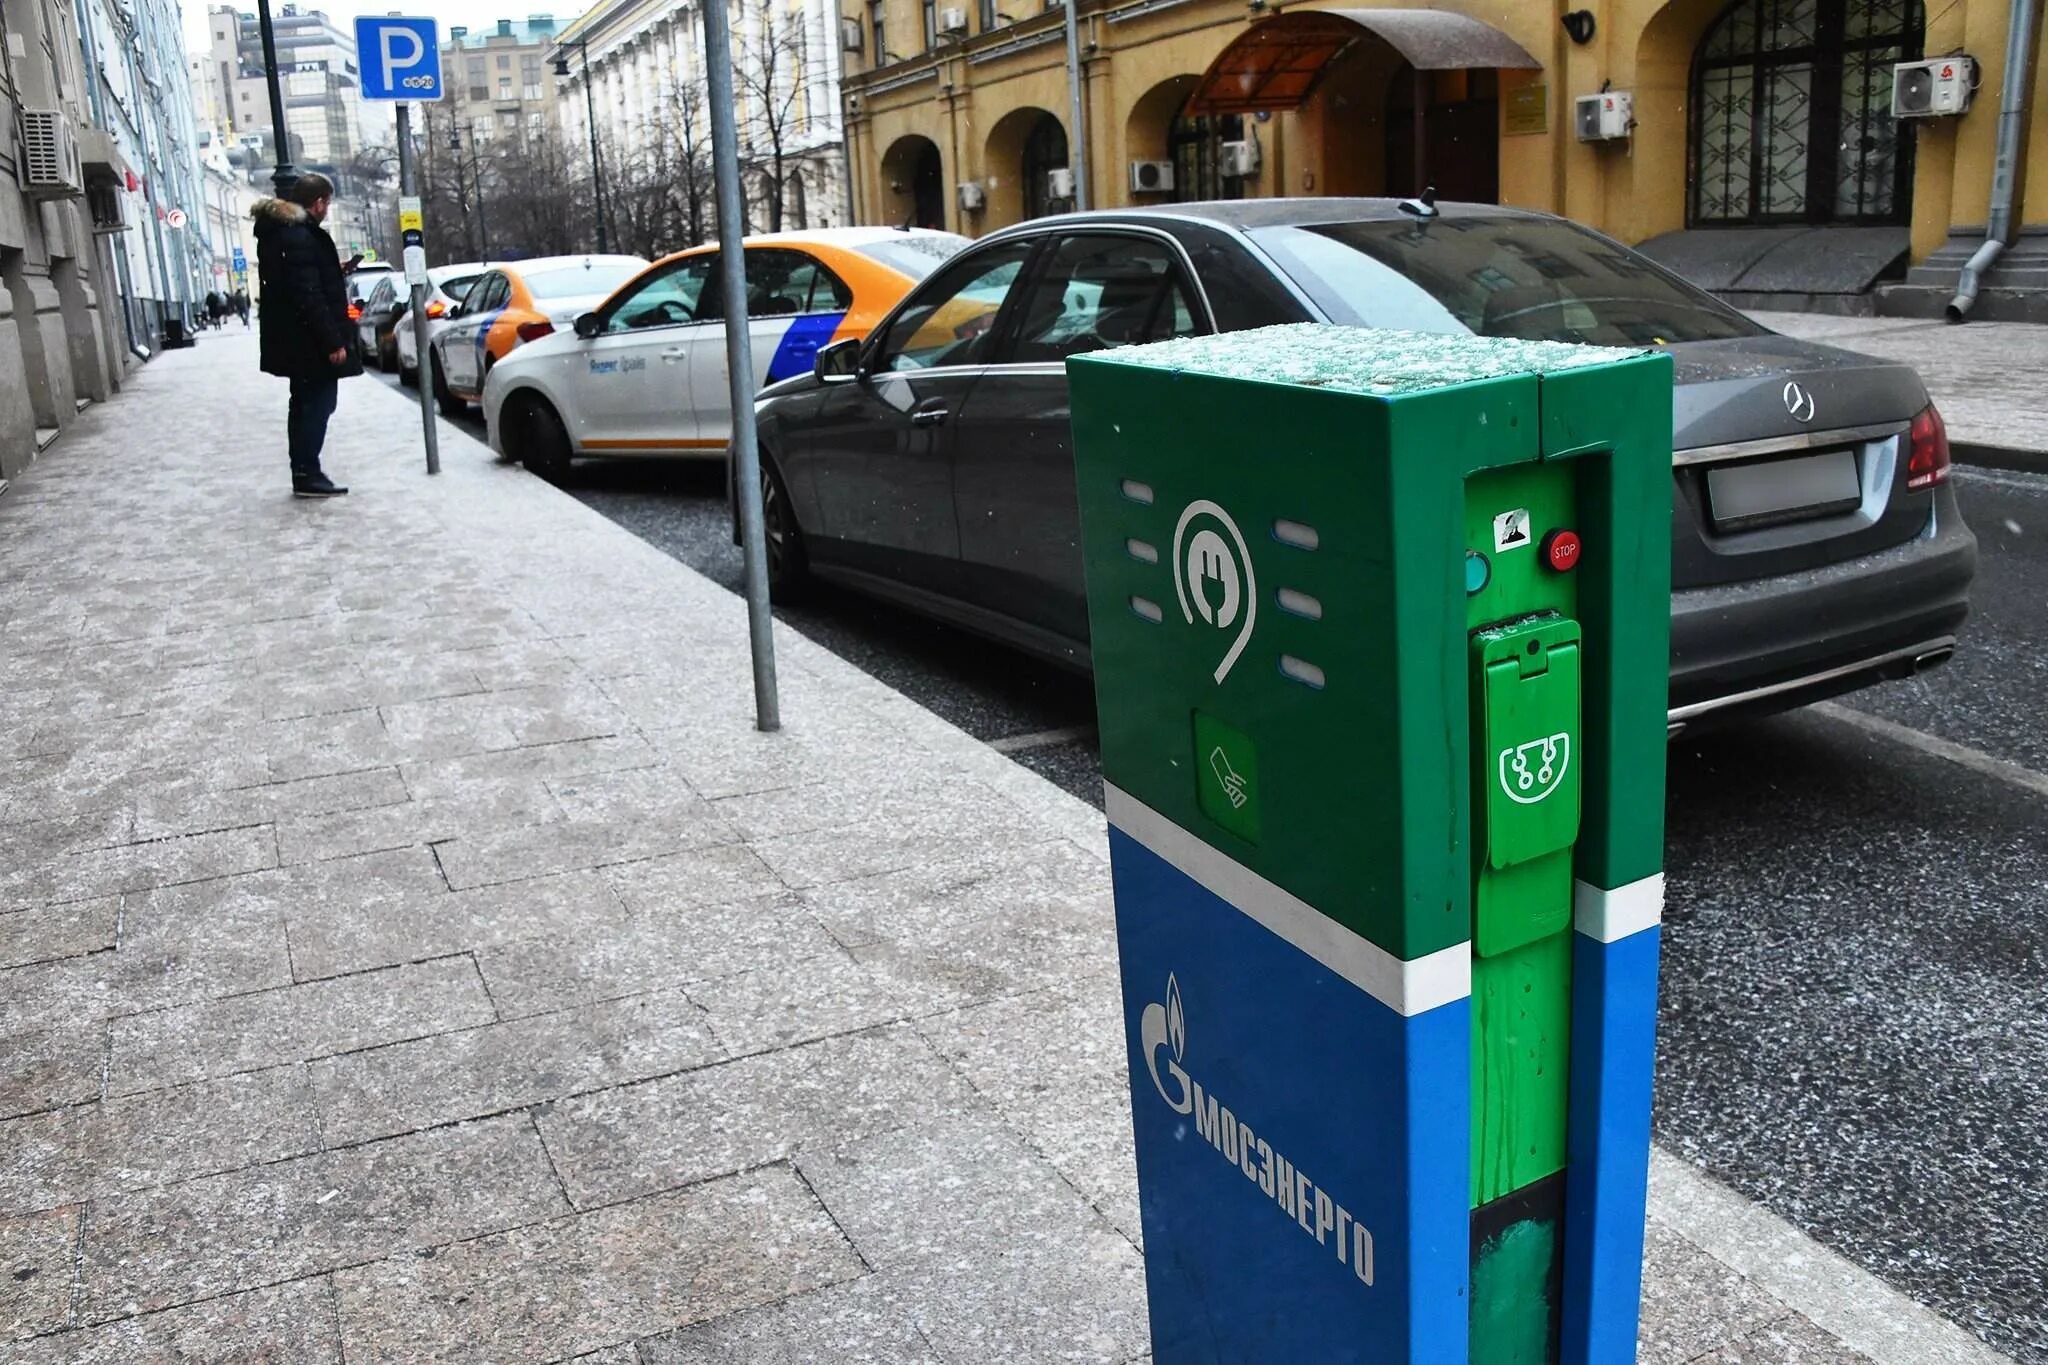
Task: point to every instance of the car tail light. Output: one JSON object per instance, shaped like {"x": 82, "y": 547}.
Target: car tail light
{"x": 534, "y": 331}
{"x": 355, "y": 312}
{"x": 1928, "y": 463}
{"x": 435, "y": 308}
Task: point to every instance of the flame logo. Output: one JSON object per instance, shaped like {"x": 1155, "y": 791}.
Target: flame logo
{"x": 1167, "y": 1026}
{"x": 1176, "y": 1019}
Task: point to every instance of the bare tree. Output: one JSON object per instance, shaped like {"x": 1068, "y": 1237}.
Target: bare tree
{"x": 770, "y": 70}
{"x": 687, "y": 122}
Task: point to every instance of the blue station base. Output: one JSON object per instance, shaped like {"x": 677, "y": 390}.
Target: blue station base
{"x": 1301, "y": 1144}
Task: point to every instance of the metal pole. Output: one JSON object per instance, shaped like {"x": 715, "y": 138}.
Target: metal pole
{"x": 739, "y": 358}
{"x": 1421, "y": 130}
{"x": 283, "y": 175}
{"x": 476, "y": 175}
{"x": 408, "y": 186}
{"x": 1077, "y": 109}
{"x": 596, "y": 166}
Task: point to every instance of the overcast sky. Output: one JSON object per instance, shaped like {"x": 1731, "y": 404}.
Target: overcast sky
{"x": 473, "y": 14}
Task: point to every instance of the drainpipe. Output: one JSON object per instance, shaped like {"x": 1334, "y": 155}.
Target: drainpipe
{"x": 2012, "y": 146}
{"x": 1077, "y": 107}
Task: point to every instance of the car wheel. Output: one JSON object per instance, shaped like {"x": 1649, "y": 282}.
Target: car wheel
{"x": 373, "y": 356}
{"x": 789, "y": 563}
{"x": 408, "y": 378}
{"x": 447, "y": 402}
{"x": 387, "y": 357}
{"x": 540, "y": 439}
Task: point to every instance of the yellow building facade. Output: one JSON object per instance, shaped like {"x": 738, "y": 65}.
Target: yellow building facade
{"x": 1754, "y": 114}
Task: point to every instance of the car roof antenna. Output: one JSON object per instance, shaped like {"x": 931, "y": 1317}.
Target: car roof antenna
{"x": 1422, "y": 207}
{"x": 904, "y": 226}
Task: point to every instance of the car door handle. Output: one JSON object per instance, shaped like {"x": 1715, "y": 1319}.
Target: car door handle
{"x": 929, "y": 415}
{"x": 675, "y": 353}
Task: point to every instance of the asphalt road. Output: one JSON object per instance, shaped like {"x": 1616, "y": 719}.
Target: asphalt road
{"x": 1854, "y": 1026}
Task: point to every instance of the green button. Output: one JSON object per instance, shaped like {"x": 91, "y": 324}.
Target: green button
{"x": 1227, "y": 776}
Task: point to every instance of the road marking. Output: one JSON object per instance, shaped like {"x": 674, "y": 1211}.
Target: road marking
{"x": 1837, "y": 1295}
{"x": 1963, "y": 756}
{"x": 1042, "y": 739}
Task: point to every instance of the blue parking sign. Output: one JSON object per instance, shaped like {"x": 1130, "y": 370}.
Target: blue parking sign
{"x": 400, "y": 58}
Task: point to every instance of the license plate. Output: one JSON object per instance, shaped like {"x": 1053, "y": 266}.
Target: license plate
{"x": 1773, "y": 491}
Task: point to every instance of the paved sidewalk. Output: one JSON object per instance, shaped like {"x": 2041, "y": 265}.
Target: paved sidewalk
{"x": 1985, "y": 376}
{"x": 409, "y": 950}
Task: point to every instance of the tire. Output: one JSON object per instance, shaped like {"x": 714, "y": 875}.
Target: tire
{"x": 387, "y": 358}
{"x": 789, "y": 562}
{"x": 409, "y": 378}
{"x": 542, "y": 442}
{"x": 372, "y": 357}
{"x": 447, "y": 402}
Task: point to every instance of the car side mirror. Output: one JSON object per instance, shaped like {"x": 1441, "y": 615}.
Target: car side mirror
{"x": 837, "y": 362}
{"x": 588, "y": 325}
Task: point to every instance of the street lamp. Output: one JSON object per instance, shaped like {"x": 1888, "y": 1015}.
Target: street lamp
{"x": 590, "y": 111}
{"x": 282, "y": 175}
{"x": 476, "y": 175}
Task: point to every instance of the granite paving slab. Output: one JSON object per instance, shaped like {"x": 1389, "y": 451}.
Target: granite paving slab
{"x": 268, "y": 1224}
{"x": 862, "y": 1322}
{"x": 681, "y": 1257}
{"x": 383, "y": 1091}
{"x": 296, "y": 1023}
{"x": 53, "y": 932}
{"x": 290, "y": 1324}
{"x": 36, "y": 1252}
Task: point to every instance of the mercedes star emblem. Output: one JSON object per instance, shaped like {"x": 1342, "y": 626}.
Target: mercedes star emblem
{"x": 1798, "y": 401}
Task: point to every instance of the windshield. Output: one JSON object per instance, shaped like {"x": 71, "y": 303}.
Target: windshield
{"x": 916, "y": 254}
{"x": 1532, "y": 278}
{"x": 571, "y": 281}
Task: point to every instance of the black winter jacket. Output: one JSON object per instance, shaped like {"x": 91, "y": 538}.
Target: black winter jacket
{"x": 305, "y": 301}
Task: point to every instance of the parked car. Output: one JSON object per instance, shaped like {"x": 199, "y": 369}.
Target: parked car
{"x": 1817, "y": 545}
{"x": 378, "y": 316}
{"x": 511, "y": 304}
{"x": 447, "y": 286}
{"x": 362, "y": 281}
{"x": 645, "y": 373}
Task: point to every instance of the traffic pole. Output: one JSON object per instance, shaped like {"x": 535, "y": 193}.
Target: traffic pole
{"x": 411, "y": 229}
{"x": 739, "y": 358}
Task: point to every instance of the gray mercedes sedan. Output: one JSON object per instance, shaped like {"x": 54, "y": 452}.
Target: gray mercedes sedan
{"x": 1817, "y": 545}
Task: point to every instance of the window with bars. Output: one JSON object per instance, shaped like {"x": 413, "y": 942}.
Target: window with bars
{"x": 1791, "y": 113}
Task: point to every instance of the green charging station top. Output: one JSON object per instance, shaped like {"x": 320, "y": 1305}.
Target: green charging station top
{"x": 1282, "y": 568}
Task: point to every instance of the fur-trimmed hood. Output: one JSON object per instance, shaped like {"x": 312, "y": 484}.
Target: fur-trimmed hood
{"x": 280, "y": 212}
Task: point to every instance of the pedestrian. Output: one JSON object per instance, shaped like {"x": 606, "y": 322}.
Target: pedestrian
{"x": 242, "y": 307}
{"x": 305, "y": 336}
{"x": 212, "y": 313}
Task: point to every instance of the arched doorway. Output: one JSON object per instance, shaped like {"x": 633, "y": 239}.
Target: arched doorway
{"x": 1791, "y": 113}
{"x": 1024, "y": 148}
{"x": 1160, "y": 129}
{"x": 1390, "y": 100}
{"x": 914, "y": 183}
{"x": 1045, "y": 151}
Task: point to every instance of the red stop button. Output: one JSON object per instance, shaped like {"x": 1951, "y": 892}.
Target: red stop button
{"x": 1561, "y": 550}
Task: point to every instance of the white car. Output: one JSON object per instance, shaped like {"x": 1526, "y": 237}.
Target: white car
{"x": 447, "y": 285}
{"x": 645, "y": 373}
{"x": 512, "y": 303}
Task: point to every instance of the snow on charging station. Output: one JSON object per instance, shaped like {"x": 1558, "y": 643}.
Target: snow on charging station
{"x": 1381, "y": 627}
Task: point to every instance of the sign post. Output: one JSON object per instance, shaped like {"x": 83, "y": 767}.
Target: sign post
{"x": 1380, "y": 626}
{"x": 401, "y": 61}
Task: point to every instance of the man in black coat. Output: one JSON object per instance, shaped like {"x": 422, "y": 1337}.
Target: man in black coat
{"x": 306, "y": 335}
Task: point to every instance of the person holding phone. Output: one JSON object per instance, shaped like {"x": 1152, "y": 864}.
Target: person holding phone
{"x": 305, "y": 333}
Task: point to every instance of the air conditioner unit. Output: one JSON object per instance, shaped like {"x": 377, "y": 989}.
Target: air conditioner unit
{"x": 1059, "y": 183}
{"x": 973, "y": 199}
{"x": 1603, "y": 117}
{"x": 49, "y": 168}
{"x": 953, "y": 20}
{"x": 1238, "y": 160}
{"x": 1929, "y": 89}
{"x": 849, "y": 35}
{"x": 1151, "y": 177}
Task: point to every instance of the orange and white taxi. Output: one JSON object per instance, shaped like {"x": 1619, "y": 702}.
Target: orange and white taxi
{"x": 510, "y": 304}
{"x": 644, "y": 373}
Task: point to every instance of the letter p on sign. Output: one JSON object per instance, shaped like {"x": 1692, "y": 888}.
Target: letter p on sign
{"x": 401, "y": 57}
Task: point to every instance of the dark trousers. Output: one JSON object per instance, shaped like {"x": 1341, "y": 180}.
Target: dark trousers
{"x": 306, "y": 425}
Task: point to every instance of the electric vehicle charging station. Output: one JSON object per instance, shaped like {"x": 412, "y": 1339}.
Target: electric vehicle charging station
{"x": 1380, "y": 626}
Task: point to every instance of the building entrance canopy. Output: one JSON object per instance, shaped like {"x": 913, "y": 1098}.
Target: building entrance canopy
{"x": 1276, "y": 64}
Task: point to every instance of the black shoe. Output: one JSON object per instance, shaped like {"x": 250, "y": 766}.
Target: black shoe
{"x": 316, "y": 486}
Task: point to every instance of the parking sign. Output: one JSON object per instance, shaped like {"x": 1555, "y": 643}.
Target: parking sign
{"x": 400, "y": 57}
